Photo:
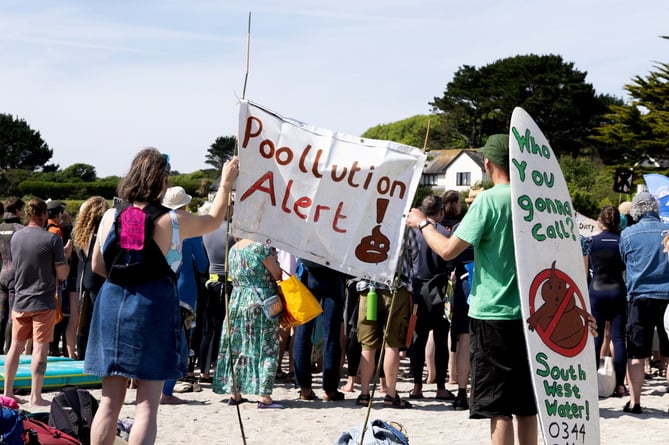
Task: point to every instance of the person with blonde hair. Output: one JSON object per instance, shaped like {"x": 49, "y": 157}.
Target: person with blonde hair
{"x": 136, "y": 330}
{"x": 84, "y": 235}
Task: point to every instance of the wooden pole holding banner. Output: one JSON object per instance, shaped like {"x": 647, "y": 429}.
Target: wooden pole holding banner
{"x": 413, "y": 317}
{"x": 227, "y": 245}
{"x": 427, "y": 135}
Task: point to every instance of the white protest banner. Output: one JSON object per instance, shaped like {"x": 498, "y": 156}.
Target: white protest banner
{"x": 587, "y": 227}
{"x": 553, "y": 289}
{"x": 331, "y": 198}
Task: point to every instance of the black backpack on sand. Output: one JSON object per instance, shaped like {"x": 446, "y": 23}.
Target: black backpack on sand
{"x": 72, "y": 411}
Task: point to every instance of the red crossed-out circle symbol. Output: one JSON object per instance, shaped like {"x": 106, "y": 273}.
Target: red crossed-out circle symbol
{"x": 572, "y": 292}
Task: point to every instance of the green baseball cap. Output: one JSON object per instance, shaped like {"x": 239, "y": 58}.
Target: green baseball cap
{"x": 496, "y": 149}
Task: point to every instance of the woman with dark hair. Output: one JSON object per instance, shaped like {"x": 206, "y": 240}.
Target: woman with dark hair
{"x": 607, "y": 290}
{"x": 136, "y": 331}
{"x": 463, "y": 266}
{"x": 452, "y": 208}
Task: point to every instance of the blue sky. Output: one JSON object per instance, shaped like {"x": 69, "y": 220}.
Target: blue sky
{"x": 100, "y": 80}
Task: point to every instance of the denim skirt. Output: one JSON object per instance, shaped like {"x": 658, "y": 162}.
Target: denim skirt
{"x": 137, "y": 332}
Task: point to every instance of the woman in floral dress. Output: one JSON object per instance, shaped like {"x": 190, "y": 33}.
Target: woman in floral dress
{"x": 250, "y": 340}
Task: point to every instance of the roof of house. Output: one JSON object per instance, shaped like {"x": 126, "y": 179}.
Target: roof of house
{"x": 441, "y": 159}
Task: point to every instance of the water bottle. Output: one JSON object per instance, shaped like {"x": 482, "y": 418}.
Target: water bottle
{"x": 372, "y": 301}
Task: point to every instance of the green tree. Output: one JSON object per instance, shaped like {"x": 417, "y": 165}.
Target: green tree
{"x": 20, "y": 146}
{"x": 412, "y": 131}
{"x": 221, "y": 150}
{"x": 590, "y": 184}
{"x": 78, "y": 172}
{"x": 479, "y": 102}
{"x": 641, "y": 128}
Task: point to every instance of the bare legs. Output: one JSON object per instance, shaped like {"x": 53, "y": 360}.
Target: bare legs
{"x": 11, "y": 366}
{"x": 38, "y": 369}
{"x": 367, "y": 357}
{"x": 430, "y": 350}
{"x": 635, "y": 376}
{"x": 501, "y": 430}
{"x": 72, "y": 325}
{"x": 462, "y": 361}
{"x": 391, "y": 365}
{"x": 144, "y": 428}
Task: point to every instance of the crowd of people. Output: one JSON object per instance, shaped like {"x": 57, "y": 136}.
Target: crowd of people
{"x": 151, "y": 294}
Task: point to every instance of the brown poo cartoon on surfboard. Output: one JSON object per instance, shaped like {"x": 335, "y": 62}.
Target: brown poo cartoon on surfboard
{"x": 569, "y": 328}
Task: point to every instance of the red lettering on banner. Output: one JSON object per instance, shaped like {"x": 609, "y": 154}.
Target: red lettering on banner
{"x": 353, "y": 174}
{"x": 303, "y": 203}
{"x": 317, "y": 213}
{"x": 248, "y": 132}
{"x": 338, "y": 216}
{"x": 284, "y": 201}
{"x": 257, "y": 186}
{"x": 299, "y": 205}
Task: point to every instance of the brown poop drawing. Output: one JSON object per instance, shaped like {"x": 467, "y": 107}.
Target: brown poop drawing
{"x": 373, "y": 248}
{"x": 569, "y": 329}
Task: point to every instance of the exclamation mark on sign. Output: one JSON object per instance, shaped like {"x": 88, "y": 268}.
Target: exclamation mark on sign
{"x": 381, "y": 207}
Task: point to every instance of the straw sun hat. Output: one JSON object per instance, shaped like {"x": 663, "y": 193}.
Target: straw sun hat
{"x": 176, "y": 197}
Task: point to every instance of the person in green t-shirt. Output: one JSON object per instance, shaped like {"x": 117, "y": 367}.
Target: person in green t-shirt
{"x": 501, "y": 382}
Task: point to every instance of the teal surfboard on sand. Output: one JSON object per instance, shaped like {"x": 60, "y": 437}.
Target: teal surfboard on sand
{"x": 27, "y": 358}
{"x": 60, "y": 371}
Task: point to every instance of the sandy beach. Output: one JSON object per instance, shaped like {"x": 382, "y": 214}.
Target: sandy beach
{"x": 208, "y": 419}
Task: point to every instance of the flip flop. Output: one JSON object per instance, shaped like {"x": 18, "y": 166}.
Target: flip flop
{"x": 415, "y": 396}
{"x": 396, "y": 402}
{"x": 272, "y": 405}
{"x": 363, "y": 400}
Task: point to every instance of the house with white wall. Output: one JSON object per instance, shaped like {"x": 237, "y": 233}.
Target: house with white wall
{"x": 453, "y": 169}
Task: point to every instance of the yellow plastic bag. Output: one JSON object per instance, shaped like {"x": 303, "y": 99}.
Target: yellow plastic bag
{"x": 300, "y": 304}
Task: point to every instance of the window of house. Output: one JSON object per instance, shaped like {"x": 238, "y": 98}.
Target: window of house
{"x": 429, "y": 180}
{"x": 463, "y": 178}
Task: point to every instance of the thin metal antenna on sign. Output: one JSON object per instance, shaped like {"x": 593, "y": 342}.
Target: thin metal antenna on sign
{"x": 248, "y": 51}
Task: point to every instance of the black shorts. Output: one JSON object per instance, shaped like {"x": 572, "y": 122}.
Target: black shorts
{"x": 460, "y": 318}
{"x": 501, "y": 379}
{"x": 644, "y": 315}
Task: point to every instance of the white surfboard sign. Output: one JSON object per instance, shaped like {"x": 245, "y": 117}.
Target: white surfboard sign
{"x": 553, "y": 289}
